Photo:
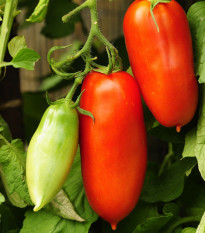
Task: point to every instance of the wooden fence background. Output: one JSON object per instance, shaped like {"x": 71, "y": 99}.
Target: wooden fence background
{"x": 110, "y": 18}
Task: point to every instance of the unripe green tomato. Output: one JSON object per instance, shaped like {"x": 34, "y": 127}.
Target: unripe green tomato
{"x": 51, "y": 152}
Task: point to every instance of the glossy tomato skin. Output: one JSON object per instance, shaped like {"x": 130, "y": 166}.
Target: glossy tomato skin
{"x": 162, "y": 61}
{"x": 113, "y": 148}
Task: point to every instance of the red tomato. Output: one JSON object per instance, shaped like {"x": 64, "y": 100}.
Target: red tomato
{"x": 162, "y": 61}
{"x": 113, "y": 149}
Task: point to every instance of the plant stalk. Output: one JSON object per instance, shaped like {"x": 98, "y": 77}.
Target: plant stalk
{"x": 94, "y": 32}
{"x": 9, "y": 14}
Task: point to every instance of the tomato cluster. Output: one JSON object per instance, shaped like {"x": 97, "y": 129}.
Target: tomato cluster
{"x": 113, "y": 146}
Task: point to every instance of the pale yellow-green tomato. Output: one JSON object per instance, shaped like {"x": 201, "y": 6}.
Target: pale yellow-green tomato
{"x": 51, "y": 152}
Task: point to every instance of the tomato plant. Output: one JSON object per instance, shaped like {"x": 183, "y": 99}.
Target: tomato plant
{"x": 119, "y": 137}
{"x": 161, "y": 56}
{"x": 113, "y": 148}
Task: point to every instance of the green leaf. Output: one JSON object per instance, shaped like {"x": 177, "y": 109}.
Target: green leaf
{"x": 2, "y": 198}
{"x": 145, "y": 218}
{"x": 75, "y": 191}
{"x": 43, "y": 221}
{"x": 12, "y": 171}
{"x": 40, "y": 12}
{"x": 16, "y": 44}
{"x": 153, "y": 225}
{"x": 11, "y": 218}
{"x": 171, "y": 208}
{"x": 25, "y": 58}
{"x": 201, "y": 227}
{"x": 189, "y": 230}
{"x": 196, "y": 19}
{"x": 5, "y": 132}
{"x": 200, "y": 135}
{"x": 193, "y": 197}
{"x": 62, "y": 206}
{"x": 2, "y": 2}
{"x": 28, "y": 8}
{"x": 167, "y": 134}
{"x": 190, "y": 142}
{"x": 169, "y": 185}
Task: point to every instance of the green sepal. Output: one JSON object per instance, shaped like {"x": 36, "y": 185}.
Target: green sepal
{"x": 87, "y": 113}
{"x": 80, "y": 110}
{"x": 54, "y": 102}
{"x": 153, "y": 5}
{"x": 77, "y": 102}
{"x": 155, "y": 2}
{"x": 111, "y": 67}
{"x": 48, "y": 99}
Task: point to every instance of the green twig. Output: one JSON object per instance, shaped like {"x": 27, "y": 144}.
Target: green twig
{"x": 115, "y": 63}
{"x": 9, "y": 14}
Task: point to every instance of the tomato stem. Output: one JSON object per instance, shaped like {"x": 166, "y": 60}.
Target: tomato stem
{"x": 115, "y": 63}
{"x": 9, "y": 14}
{"x": 75, "y": 85}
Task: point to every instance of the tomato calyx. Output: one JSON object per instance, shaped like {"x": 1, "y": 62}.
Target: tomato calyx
{"x": 154, "y": 3}
{"x": 71, "y": 104}
{"x": 54, "y": 102}
{"x": 80, "y": 110}
{"x": 114, "y": 63}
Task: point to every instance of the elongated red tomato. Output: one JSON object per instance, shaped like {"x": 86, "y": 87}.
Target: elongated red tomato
{"x": 113, "y": 148}
{"x": 162, "y": 61}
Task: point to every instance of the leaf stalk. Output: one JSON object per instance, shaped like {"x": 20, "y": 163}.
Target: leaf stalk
{"x": 9, "y": 14}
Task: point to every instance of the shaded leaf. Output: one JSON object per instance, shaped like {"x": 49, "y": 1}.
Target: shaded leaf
{"x": 201, "y": 227}
{"x": 169, "y": 185}
{"x": 5, "y": 131}
{"x": 196, "y": 19}
{"x": 12, "y": 171}
{"x": 16, "y": 44}
{"x": 189, "y": 230}
{"x": 64, "y": 208}
{"x": 40, "y": 12}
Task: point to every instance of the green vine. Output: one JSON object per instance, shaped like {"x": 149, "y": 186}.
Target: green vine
{"x": 115, "y": 63}
{"x": 9, "y": 14}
